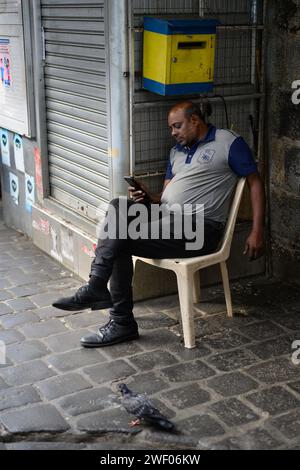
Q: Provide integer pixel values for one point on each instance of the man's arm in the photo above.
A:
(254, 245)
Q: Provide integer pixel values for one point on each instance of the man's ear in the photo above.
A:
(195, 119)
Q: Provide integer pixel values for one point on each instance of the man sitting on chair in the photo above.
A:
(203, 168)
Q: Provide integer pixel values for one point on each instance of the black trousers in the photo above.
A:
(113, 256)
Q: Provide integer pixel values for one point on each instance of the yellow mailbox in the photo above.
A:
(178, 55)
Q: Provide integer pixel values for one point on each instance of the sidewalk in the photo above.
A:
(239, 389)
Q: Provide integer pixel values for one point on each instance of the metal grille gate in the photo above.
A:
(238, 78)
(75, 89)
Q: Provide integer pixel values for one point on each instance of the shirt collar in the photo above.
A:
(209, 137)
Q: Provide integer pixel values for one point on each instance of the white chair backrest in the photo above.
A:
(230, 224)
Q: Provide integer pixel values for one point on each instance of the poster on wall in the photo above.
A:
(5, 63)
(29, 192)
(14, 187)
(5, 147)
(19, 153)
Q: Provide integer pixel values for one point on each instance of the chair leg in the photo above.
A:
(226, 286)
(186, 308)
(196, 287)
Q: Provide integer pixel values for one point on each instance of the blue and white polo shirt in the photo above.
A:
(207, 172)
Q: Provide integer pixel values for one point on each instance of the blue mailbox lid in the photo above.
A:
(182, 26)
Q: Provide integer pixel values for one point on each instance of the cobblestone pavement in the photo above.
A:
(239, 389)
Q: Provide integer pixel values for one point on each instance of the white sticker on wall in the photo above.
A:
(5, 147)
(67, 245)
(14, 187)
(29, 192)
(19, 153)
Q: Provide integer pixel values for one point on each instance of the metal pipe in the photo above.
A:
(156, 103)
(118, 94)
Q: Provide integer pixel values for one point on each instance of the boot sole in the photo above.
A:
(110, 343)
(94, 306)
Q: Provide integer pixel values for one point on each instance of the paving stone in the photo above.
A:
(254, 439)
(2, 384)
(189, 354)
(162, 303)
(155, 338)
(295, 386)
(15, 319)
(288, 424)
(110, 371)
(187, 396)
(67, 361)
(23, 279)
(234, 383)
(273, 400)
(153, 383)
(30, 372)
(277, 370)
(231, 360)
(272, 348)
(43, 329)
(27, 290)
(262, 330)
(155, 320)
(10, 336)
(4, 308)
(66, 341)
(225, 340)
(89, 400)
(114, 420)
(160, 440)
(233, 412)
(45, 313)
(26, 351)
(5, 295)
(47, 298)
(153, 359)
(200, 426)
(25, 445)
(38, 418)
(290, 321)
(14, 397)
(61, 283)
(20, 304)
(4, 283)
(85, 319)
(12, 270)
(63, 385)
(123, 349)
(188, 371)
(208, 326)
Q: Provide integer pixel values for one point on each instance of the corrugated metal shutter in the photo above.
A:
(76, 103)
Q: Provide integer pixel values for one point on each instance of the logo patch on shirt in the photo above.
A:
(206, 156)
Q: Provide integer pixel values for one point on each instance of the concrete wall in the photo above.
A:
(283, 136)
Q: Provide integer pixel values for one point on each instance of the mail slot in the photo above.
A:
(179, 55)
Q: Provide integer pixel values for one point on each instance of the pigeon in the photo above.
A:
(139, 405)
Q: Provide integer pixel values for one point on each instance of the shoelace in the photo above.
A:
(109, 326)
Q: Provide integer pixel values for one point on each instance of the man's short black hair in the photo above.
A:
(194, 109)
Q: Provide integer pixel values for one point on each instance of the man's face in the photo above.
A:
(184, 129)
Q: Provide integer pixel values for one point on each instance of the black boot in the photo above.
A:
(86, 297)
(111, 333)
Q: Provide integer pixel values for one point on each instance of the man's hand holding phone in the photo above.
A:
(137, 190)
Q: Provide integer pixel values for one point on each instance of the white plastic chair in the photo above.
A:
(187, 271)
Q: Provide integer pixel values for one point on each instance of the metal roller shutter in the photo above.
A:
(75, 88)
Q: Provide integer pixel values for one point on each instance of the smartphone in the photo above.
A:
(134, 183)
